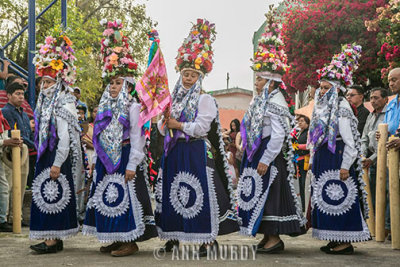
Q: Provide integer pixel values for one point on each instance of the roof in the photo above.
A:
(227, 115)
(231, 91)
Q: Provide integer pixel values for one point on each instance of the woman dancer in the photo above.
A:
(338, 198)
(194, 199)
(119, 208)
(57, 138)
(267, 200)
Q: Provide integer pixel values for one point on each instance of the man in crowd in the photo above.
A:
(3, 72)
(16, 117)
(379, 99)
(4, 192)
(355, 96)
(392, 117)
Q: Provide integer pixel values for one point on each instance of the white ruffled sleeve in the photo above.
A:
(206, 114)
(349, 151)
(136, 155)
(275, 144)
(63, 142)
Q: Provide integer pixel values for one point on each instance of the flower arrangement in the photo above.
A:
(342, 66)
(270, 55)
(196, 51)
(116, 53)
(55, 58)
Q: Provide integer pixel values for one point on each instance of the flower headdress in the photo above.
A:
(270, 59)
(116, 53)
(342, 66)
(196, 52)
(55, 59)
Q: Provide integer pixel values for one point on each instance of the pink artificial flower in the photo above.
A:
(44, 49)
(49, 40)
(108, 32)
(64, 56)
(338, 75)
(125, 60)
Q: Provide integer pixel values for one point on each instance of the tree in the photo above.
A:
(84, 30)
(387, 27)
(314, 31)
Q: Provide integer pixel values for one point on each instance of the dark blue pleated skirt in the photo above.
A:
(336, 213)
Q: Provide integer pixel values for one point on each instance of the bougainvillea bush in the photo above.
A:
(313, 31)
(387, 27)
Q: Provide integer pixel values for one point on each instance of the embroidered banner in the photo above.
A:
(153, 89)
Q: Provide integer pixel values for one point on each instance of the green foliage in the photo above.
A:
(84, 30)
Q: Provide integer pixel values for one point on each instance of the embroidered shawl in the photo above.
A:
(324, 120)
(185, 104)
(111, 127)
(252, 124)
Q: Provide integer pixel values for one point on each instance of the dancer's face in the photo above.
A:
(47, 82)
(259, 84)
(116, 86)
(324, 86)
(189, 77)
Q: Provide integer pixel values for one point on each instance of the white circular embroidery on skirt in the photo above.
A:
(111, 196)
(250, 183)
(341, 195)
(51, 196)
(183, 184)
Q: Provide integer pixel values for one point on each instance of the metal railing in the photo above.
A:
(29, 74)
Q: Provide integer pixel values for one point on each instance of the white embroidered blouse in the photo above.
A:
(207, 112)
(272, 127)
(62, 150)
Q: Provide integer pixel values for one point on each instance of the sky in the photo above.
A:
(235, 20)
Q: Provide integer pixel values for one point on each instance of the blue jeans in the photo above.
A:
(3, 195)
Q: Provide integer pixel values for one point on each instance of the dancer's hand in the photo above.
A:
(54, 172)
(367, 163)
(262, 169)
(174, 124)
(344, 174)
(129, 175)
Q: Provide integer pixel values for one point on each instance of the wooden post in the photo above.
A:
(16, 170)
(394, 192)
(381, 184)
(371, 219)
